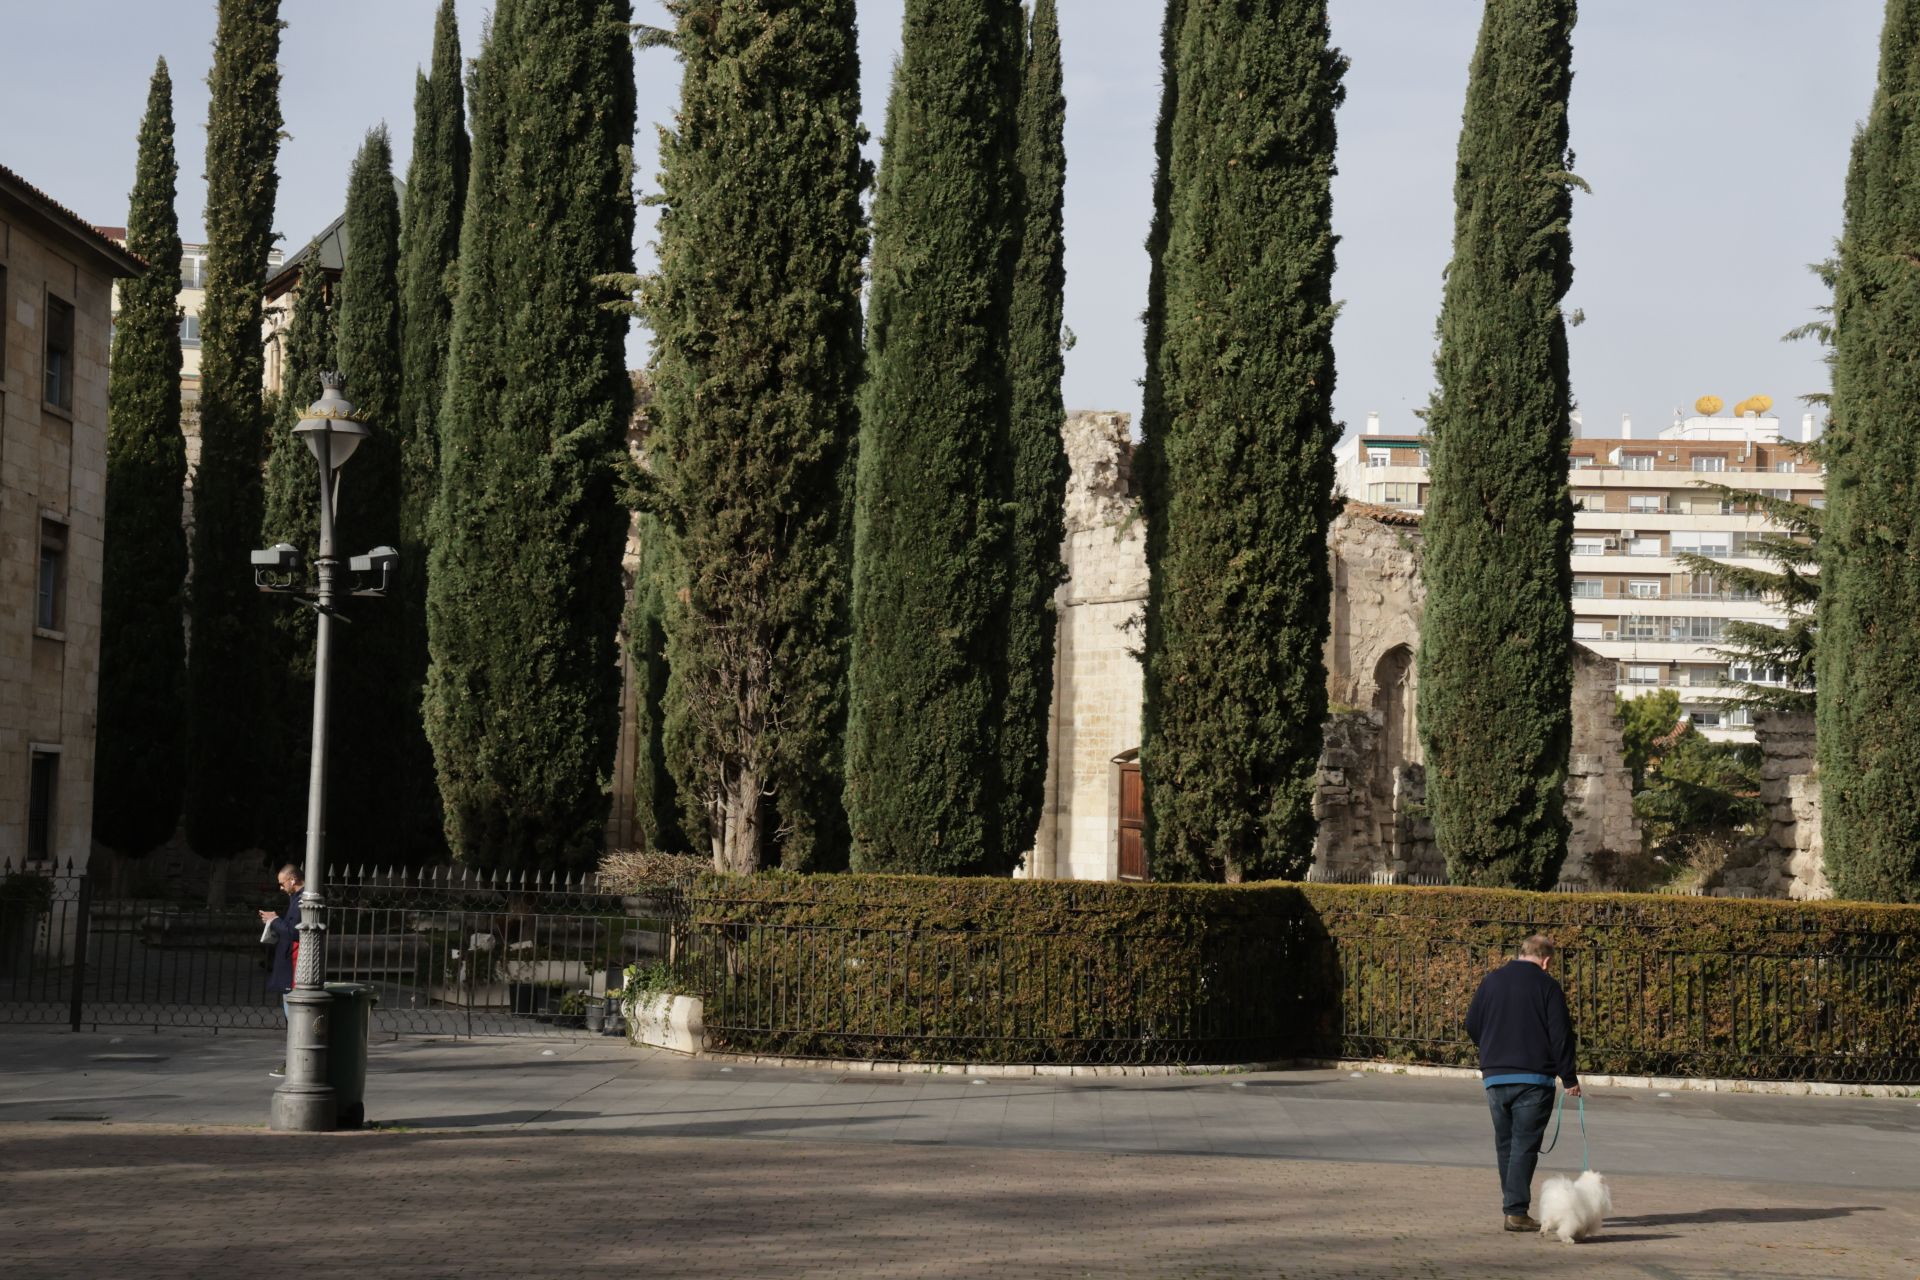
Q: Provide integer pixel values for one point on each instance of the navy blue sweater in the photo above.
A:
(1519, 1019)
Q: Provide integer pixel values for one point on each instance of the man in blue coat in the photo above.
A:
(284, 928)
(1519, 1020)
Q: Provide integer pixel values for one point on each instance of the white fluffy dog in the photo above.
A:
(1573, 1209)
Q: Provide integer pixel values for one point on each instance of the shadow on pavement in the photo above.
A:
(1705, 1216)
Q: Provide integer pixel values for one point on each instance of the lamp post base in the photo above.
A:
(306, 1102)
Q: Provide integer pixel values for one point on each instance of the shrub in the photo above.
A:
(944, 969)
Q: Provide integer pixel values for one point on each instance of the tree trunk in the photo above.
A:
(737, 836)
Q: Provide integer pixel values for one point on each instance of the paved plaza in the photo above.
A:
(529, 1158)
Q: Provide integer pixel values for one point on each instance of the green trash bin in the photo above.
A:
(352, 1020)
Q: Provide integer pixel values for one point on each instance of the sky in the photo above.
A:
(1714, 134)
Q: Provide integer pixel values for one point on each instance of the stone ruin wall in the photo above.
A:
(1785, 859)
(1370, 801)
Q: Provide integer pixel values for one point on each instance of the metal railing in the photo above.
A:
(448, 952)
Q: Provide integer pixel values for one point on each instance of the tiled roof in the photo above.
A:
(53, 211)
(1381, 515)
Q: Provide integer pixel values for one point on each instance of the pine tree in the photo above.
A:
(1036, 363)
(226, 678)
(142, 708)
(1496, 674)
(756, 318)
(1243, 459)
(292, 515)
(370, 810)
(927, 675)
(524, 585)
(430, 247)
(1869, 704)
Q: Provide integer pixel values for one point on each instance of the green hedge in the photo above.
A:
(939, 969)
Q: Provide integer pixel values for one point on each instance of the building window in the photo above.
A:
(193, 271)
(1576, 461)
(59, 362)
(1643, 675)
(1817, 503)
(1646, 503)
(1426, 459)
(50, 605)
(1400, 494)
(1704, 718)
(190, 330)
(1695, 630)
(1379, 457)
(1785, 465)
(1709, 462)
(1589, 588)
(42, 787)
(1589, 546)
(1739, 717)
(1587, 629)
(1643, 547)
(1636, 627)
(1590, 500)
(1644, 590)
(1636, 462)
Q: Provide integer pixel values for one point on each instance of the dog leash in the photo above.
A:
(1559, 1114)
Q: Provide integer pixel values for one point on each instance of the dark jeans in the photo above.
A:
(1520, 1114)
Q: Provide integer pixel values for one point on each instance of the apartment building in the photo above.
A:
(56, 276)
(1640, 501)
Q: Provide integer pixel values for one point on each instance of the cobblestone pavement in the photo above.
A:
(88, 1200)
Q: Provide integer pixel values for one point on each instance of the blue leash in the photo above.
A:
(1559, 1114)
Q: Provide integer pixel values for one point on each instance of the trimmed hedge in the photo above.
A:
(945, 969)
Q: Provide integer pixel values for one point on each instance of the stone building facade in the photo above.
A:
(56, 282)
(1372, 782)
(1785, 858)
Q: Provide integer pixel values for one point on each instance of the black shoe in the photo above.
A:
(1521, 1222)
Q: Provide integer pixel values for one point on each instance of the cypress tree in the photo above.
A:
(225, 676)
(370, 810)
(1496, 672)
(756, 317)
(292, 515)
(927, 678)
(142, 710)
(524, 586)
(430, 247)
(1235, 683)
(1869, 706)
(657, 804)
(1036, 363)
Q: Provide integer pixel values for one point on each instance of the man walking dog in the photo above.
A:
(1519, 1020)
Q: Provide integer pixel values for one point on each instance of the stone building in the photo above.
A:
(1785, 858)
(56, 282)
(1372, 783)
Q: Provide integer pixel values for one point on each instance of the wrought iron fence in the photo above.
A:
(448, 952)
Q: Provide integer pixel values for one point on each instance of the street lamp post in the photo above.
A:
(332, 429)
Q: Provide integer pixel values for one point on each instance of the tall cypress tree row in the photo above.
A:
(1235, 683)
(292, 515)
(524, 589)
(225, 677)
(1036, 363)
(925, 788)
(370, 810)
(430, 247)
(142, 710)
(1496, 673)
(1869, 707)
(756, 318)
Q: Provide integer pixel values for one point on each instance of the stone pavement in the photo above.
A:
(531, 1158)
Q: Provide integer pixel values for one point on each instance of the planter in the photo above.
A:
(669, 1022)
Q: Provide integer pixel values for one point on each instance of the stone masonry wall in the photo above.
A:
(1785, 860)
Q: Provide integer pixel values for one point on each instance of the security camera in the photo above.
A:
(281, 557)
(378, 560)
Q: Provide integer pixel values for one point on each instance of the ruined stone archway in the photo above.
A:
(1395, 690)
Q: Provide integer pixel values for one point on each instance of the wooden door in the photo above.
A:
(1133, 824)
